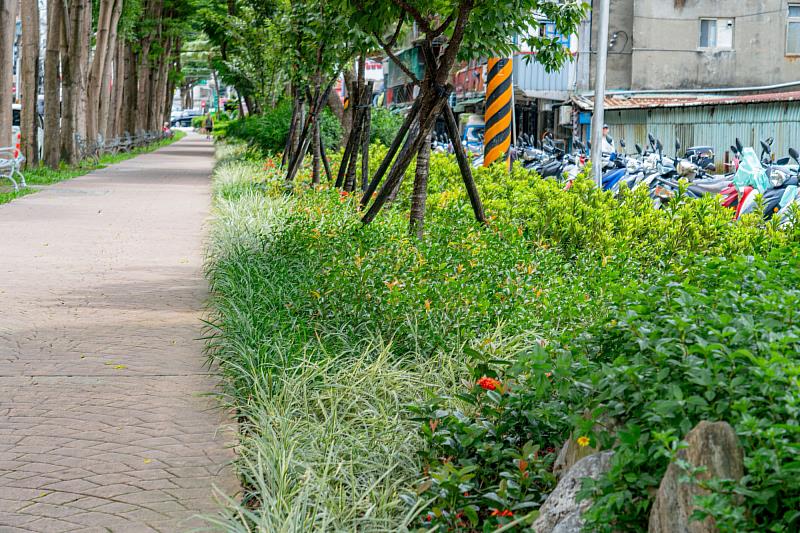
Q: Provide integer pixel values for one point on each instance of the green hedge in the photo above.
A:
(582, 307)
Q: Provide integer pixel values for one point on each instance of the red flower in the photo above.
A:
(505, 513)
(488, 383)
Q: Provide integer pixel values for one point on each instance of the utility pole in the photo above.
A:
(600, 93)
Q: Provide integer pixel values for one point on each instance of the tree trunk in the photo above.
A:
(30, 81)
(98, 66)
(67, 96)
(419, 195)
(80, 49)
(160, 87)
(347, 114)
(52, 97)
(115, 114)
(130, 96)
(109, 80)
(315, 177)
(7, 32)
(365, 140)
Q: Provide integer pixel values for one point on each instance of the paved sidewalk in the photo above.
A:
(103, 426)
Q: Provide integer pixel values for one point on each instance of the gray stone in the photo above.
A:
(712, 445)
(561, 513)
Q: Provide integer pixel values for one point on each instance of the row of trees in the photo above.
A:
(303, 47)
(110, 66)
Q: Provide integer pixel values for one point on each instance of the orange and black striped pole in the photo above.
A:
(497, 137)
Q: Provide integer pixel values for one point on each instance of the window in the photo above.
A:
(793, 30)
(717, 33)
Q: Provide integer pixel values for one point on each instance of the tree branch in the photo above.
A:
(443, 26)
(449, 55)
(393, 57)
(396, 33)
(424, 24)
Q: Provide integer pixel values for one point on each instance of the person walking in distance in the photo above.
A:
(209, 125)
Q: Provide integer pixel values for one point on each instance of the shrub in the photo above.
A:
(384, 125)
(615, 291)
(268, 131)
(716, 341)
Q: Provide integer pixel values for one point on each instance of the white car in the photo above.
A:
(16, 110)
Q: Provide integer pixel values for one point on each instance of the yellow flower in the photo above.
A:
(583, 441)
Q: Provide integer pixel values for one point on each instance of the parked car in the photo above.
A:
(184, 119)
(16, 111)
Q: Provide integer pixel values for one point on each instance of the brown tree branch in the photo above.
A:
(424, 24)
(393, 57)
(450, 53)
(443, 26)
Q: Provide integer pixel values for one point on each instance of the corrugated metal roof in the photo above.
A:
(613, 102)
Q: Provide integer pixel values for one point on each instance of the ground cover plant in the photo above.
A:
(383, 383)
(42, 176)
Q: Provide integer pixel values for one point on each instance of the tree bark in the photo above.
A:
(67, 96)
(52, 97)
(8, 10)
(419, 194)
(80, 48)
(98, 66)
(365, 140)
(29, 124)
(130, 97)
(109, 79)
(315, 177)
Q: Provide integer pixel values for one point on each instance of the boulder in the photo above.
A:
(713, 445)
(561, 513)
(571, 452)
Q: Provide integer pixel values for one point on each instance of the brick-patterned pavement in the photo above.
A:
(104, 425)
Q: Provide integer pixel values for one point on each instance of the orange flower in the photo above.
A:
(504, 513)
(488, 383)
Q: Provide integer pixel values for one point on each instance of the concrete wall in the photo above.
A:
(666, 40)
(618, 73)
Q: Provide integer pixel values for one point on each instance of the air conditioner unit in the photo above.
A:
(564, 115)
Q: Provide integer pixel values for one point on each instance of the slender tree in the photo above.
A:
(30, 80)
(52, 100)
(8, 10)
(449, 30)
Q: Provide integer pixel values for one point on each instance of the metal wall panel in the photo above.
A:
(716, 126)
(532, 76)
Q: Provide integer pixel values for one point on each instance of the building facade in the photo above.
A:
(699, 44)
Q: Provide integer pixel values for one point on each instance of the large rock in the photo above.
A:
(561, 513)
(569, 454)
(710, 444)
(572, 452)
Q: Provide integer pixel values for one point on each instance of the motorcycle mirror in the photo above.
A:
(622, 142)
(795, 155)
(677, 145)
(765, 147)
(638, 149)
(770, 140)
(739, 145)
(734, 149)
(659, 146)
(651, 139)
